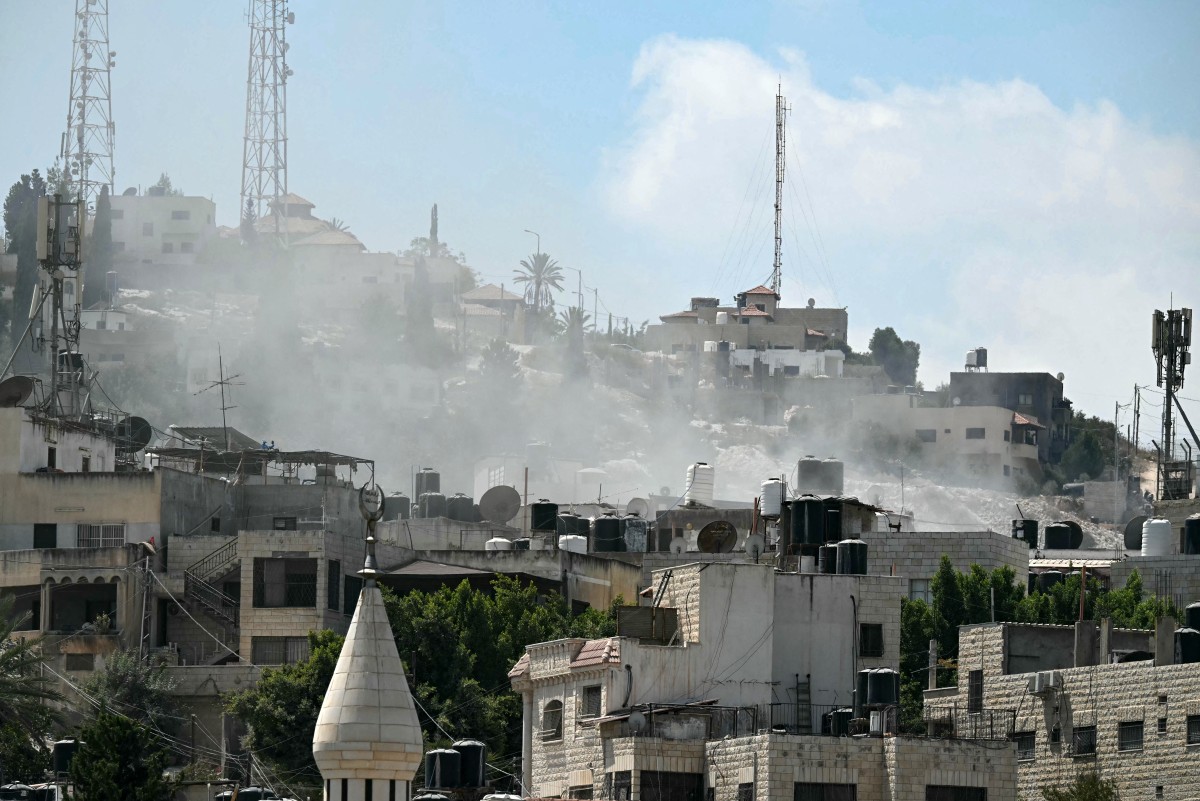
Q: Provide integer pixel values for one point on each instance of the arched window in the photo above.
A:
(552, 720)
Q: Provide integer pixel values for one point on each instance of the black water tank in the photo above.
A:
(1191, 616)
(606, 534)
(1026, 530)
(520, 544)
(1187, 646)
(64, 751)
(1058, 536)
(543, 516)
(862, 686)
(567, 523)
(883, 687)
(808, 522)
(833, 520)
(428, 480)
(433, 504)
(460, 507)
(635, 533)
(1191, 535)
(471, 765)
(827, 559)
(397, 507)
(442, 769)
(785, 527)
(837, 722)
(1048, 578)
(852, 558)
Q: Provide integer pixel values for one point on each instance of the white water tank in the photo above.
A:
(710, 346)
(770, 499)
(700, 480)
(498, 544)
(807, 564)
(573, 543)
(1156, 537)
(722, 318)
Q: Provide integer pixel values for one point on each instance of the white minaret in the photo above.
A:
(368, 743)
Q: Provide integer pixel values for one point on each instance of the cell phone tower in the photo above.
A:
(264, 149)
(87, 144)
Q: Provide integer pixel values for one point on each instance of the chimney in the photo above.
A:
(1085, 643)
(1164, 641)
(1105, 641)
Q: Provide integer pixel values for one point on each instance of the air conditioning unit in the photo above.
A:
(1045, 682)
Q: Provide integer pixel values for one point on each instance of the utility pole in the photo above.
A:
(87, 144)
(596, 311)
(1171, 338)
(264, 144)
(781, 111)
(1116, 443)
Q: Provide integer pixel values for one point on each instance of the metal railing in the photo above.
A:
(810, 718)
(956, 722)
(213, 601)
(216, 562)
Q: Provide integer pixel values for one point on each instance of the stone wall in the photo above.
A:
(1176, 577)
(916, 555)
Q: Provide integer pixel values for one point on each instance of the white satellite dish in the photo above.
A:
(639, 507)
(755, 546)
(678, 545)
(637, 721)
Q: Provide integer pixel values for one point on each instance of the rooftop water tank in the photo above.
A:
(700, 481)
(1191, 535)
(460, 507)
(1048, 578)
(883, 687)
(1058, 536)
(568, 523)
(428, 480)
(852, 558)
(1191, 616)
(808, 522)
(543, 516)
(433, 504)
(606, 534)
(827, 559)
(1187, 646)
(398, 506)
(572, 543)
(770, 499)
(710, 346)
(442, 769)
(833, 520)
(1026, 530)
(498, 544)
(64, 752)
(472, 763)
(1156, 537)
(722, 318)
(810, 475)
(635, 532)
(834, 473)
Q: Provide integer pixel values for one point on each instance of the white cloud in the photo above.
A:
(963, 214)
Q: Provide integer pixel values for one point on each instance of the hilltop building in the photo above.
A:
(158, 230)
(756, 321)
(1035, 396)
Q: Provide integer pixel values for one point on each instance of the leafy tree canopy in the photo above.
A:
(23, 688)
(899, 359)
(119, 760)
(136, 689)
(1088, 786)
(164, 183)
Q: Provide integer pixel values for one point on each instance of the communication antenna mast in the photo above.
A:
(222, 383)
(87, 144)
(1171, 339)
(264, 147)
(781, 111)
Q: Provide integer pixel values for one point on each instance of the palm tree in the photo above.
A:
(542, 277)
(23, 688)
(574, 320)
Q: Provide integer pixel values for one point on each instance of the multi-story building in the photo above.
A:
(1032, 395)
(160, 229)
(756, 321)
(738, 683)
(1087, 698)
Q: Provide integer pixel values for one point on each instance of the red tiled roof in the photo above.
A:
(759, 290)
(752, 311)
(521, 668)
(598, 652)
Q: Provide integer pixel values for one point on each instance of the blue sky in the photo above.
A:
(1005, 174)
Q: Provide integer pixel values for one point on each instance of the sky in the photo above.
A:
(1022, 176)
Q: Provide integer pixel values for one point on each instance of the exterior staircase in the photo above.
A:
(200, 589)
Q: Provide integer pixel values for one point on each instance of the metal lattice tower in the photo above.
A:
(781, 111)
(87, 144)
(264, 150)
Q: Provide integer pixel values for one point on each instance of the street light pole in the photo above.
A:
(539, 240)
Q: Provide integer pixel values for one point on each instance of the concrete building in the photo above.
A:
(985, 444)
(1087, 697)
(1032, 395)
(757, 321)
(159, 229)
(720, 690)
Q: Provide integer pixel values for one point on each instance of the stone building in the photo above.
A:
(731, 688)
(1087, 698)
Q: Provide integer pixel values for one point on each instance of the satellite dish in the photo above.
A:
(500, 504)
(133, 434)
(957, 401)
(15, 391)
(717, 537)
(1076, 532)
(678, 545)
(637, 721)
(755, 546)
(1060, 377)
(638, 506)
(130, 192)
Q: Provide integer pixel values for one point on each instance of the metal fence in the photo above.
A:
(957, 722)
(808, 718)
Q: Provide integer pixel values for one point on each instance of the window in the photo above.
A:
(552, 727)
(334, 590)
(214, 525)
(45, 535)
(148, 229)
(278, 650)
(591, 702)
(812, 791)
(1007, 470)
(927, 434)
(1193, 729)
(1024, 399)
(975, 691)
(85, 464)
(582, 791)
(1083, 740)
(975, 433)
(285, 583)
(186, 247)
(1162, 725)
(919, 590)
(284, 524)
(117, 214)
(745, 791)
(351, 587)
(947, 792)
(51, 458)
(661, 785)
(617, 785)
(168, 247)
(1130, 735)
(81, 662)
(1007, 435)
(181, 215)
(870, 639)
(96, 535)
(1026, 744)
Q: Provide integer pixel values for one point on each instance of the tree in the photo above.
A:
(1084, 458)
(164, 183)
(949, 607)
(899, 359)
(23, 758)
(916, 630)
(97, 254)
(340, 225)
(23, 688)
(500, 370)
(136, 689)
(574, 321)
(1088, 786)
(281, 710)
(542, 277)
(249, 223)
(119, 760)
(20, 226)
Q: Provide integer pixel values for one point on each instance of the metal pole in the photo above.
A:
(539, 240)
(1116, 443)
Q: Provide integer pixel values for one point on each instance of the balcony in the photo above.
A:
(957, 723)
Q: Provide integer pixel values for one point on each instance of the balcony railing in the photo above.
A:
(957, 722)
(820, 719)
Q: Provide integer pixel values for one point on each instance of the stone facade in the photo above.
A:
(916, 555)
(1176, 576)
(1160, 697)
